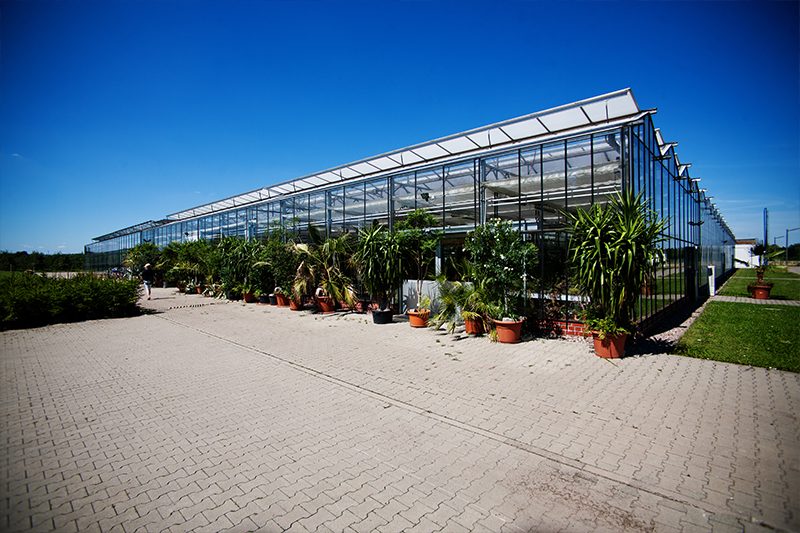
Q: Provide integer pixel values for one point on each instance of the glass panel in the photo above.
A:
(404, 198)
(428, 194)
(376, 205)
(579, 173)
(353, 208)
(502, 186)
(275, 219)
(252, 222)
(318, 213)
(606, 165)
(262, 216)
(460, 197)
(336, 211)
(531, 187)
(553, 180)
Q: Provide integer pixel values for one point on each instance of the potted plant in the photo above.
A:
(418, 241)
(320, 271)
(462, 300)
(418, 318)
(760, 289)
(613, 249)
(378, 259)
(500, 260)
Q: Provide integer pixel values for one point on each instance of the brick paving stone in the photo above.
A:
(253, 417)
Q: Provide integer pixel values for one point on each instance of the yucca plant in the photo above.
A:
(379, 260)
(613, 250)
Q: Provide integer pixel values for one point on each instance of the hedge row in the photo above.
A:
(28, 300)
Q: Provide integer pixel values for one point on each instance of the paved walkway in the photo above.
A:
(253, 418)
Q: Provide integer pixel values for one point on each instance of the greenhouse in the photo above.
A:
(529, 170)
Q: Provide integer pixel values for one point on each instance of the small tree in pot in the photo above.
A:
(378, 258)
(500, 259)
(419, 241)
(613, 250)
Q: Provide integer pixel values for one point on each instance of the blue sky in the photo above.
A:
(113, 113)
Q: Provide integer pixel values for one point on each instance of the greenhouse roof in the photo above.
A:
(132, 229)
(593, 112)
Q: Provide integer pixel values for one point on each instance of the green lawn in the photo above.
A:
(766, 336)
(787, 284)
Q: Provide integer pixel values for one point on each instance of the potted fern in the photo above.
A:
(613, 249)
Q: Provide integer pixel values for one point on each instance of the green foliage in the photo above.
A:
(613, 250)
(379, 260)
(28, 300)
(237, 258)
(765, 336)
(418, 241)
(500, 259)
(321, 266)
(141, 254)
(39, 262)
(785, 285)
(598, 320)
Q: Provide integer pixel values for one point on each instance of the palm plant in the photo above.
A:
(463, 300)
(321, 266)
(613, 250)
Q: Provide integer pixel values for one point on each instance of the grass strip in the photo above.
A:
(786, 284)
(748, 334)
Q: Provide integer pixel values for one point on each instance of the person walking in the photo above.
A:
(147, 277)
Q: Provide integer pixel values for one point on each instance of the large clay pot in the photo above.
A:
(761, 292)
(295, 305)
(610, 347)
(282, 299)
(249, 297)
(508, 332)
(419, 319)
(326, 304)
(473, 327)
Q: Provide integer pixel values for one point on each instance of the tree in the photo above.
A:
(419, 242)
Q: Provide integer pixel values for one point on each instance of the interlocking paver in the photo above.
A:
(277, 420)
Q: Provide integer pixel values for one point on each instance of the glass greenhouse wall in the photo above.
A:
(528, 170)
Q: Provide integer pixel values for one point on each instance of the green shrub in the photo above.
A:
(29, 300)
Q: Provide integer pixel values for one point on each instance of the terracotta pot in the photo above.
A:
(508, 332)
(610, 347)
(282, 300)
(419, 319)
(473, 327)
(295, 305)
(761, 292)
(326, 304)
(249, 297)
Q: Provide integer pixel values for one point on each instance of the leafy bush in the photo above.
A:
(28, 300)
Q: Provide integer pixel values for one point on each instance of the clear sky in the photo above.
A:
(114, 113)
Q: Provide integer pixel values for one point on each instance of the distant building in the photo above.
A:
(743, 255)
